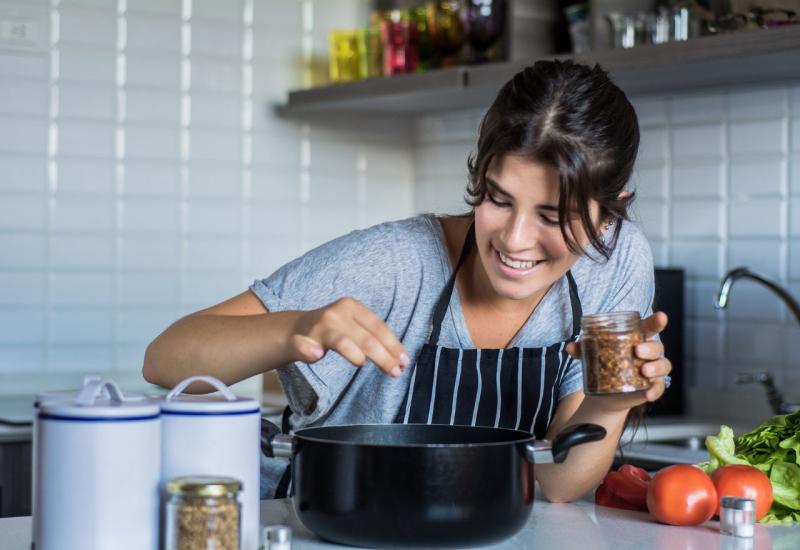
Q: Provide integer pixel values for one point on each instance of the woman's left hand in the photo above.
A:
(655, 366)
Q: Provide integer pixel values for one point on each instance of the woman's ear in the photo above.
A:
(623, 195)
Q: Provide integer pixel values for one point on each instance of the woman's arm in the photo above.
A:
(239, 338)
(586, 464)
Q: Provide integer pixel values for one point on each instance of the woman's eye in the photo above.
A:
(549, 221)
(498, 203)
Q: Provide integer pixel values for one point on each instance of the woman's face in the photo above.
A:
(519, 241)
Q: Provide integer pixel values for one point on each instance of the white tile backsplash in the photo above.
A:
(143, 178)
(26, 173)
(81, 251)
(763, 136)
(152, 142)
(697, 180)
(697, 218)
(149, 253)
(23, 288)
(24, 98)
(23, 250)
(86, 102)
(23, 212)
(153, 70)
(22, 326)
(765, 103)
(756, 218)
(86, 139)
(696, 108)
(23, 135)
(80, 64)
(763, 176)
(150, 215)
(81, 326)
(216, 145)
(148, 288)
(159, 106)
(24, 65)
(95, 214)
(700, 259)
(79, 176)
(760, 255)
(87, 26)
(214, 217)
(79, 359)
(697, 141)
(152, 33)
(82, 288)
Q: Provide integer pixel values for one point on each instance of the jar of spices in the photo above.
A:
(202, 513)
(608, 342)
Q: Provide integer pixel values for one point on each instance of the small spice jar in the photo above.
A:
(737, 516)
(608, 342)
(202, 513)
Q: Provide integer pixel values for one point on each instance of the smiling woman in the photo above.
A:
(461, 320)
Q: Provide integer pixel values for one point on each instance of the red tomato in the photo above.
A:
(740, 480)
(682, 495)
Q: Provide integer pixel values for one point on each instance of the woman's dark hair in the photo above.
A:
(574, 118)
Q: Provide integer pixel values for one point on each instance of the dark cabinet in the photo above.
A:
(15, 479)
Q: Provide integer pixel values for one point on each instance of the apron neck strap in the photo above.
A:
(444, 298)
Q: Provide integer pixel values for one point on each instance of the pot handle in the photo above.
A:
(278, 445)
(545, 452)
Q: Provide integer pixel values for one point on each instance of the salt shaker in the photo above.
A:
(277, 537)
(737, 516)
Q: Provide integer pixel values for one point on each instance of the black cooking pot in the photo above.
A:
(411, 485)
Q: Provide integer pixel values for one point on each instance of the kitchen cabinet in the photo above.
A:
(15, 478)
(748, 57)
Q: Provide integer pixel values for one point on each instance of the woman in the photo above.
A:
(467, 319)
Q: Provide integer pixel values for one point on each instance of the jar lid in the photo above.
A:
(221, 402)
(90, 405)
(203, 486)
(61, 395)
(738, 503)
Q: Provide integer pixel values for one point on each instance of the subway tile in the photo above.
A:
(275, 184)
(389, 160)
(794, 217)
(82, 251)
(161, 7)
(158, 106)
(150, 215)
(650, 111)
(275, 218)
(214, 217)
(216, 145)
(396, 196)
(658, 248)
(694, 108)
(23, 250)
(705, 343)
(700, 298)
(700, 259)
(152, 142)
(652, 145)
(650, 183)
(90, 27)
(273, 78)
(756, 218)
(696, 218)
(697, 141)
(142, 325)
(82, 288)
(268, 254)
(652, 216)
(794, 98)
(21, 326)
(757, 177)
(81, 326)
(276, 151)
(214, 11)
(217, 110)
(148, 288)
(331, 221)
(108, 5)
(216, 75)
(794, 174)
(757, 137)
(85, 65)
(697, 180)
(753, 342)
(794, 258)
(150, 33)
(30, 98)
(428, 160)
(201, 289)
(459, 126)
(795, 131)
(21, 359)
(130, 356)
(23, 135)
(23, 212)
(79, 358)
(760, 255)
(158, 70)
(764, 103)
(277, 14)
(750, 301)
(24, 66)
(86, 139)
(86, 176)
(149, 253)
(215, 181)
(84, 214)
(86, 101)
(328, 187)
(213, 253)
(22, 288)
(26, 173)
(151, 178)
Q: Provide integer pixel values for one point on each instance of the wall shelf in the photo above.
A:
(726, 60)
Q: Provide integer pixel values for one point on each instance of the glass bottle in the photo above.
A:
(608, 342)
(202, 513)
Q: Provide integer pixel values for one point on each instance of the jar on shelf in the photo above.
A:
(608, 342)
(202, 513)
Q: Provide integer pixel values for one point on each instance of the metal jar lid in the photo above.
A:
(203, 486)
(738, 503)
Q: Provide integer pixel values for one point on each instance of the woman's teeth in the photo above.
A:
(515, 263)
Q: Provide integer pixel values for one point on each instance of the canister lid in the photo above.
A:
(738, 503)
(203, 486)
(61, 395)
(221, 402)
(89, 404)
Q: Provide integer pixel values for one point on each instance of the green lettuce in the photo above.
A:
(773, 448)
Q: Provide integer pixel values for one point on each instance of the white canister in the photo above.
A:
(97, 468)
(214, 434)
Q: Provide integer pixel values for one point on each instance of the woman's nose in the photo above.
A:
(519, 233)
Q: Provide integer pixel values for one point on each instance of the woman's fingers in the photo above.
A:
(574, 349)
(384, 335)
(650, 351)
(654, 324)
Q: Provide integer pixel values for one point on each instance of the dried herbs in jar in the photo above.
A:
(608, 342)
(203, 513)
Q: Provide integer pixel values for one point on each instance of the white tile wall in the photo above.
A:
(144, 177)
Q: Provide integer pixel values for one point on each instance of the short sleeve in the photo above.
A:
(357, 265)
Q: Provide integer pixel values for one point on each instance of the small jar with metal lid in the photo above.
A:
(202, 513)
(608, 342)
(737, 516)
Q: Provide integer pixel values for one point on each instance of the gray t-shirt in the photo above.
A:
(398, 269)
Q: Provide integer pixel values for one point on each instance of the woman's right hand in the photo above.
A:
(352, 330)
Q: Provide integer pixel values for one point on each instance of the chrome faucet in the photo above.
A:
(779, 406)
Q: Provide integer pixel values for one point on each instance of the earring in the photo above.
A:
(609, 224)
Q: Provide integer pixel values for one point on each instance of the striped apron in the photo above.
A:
(503, 388)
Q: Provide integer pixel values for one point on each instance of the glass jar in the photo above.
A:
(202, 513)
(610, 364)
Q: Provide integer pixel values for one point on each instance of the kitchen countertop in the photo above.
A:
(576, 525)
